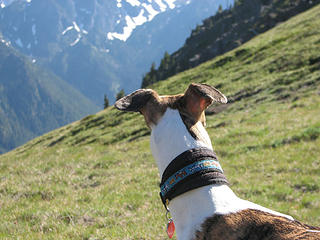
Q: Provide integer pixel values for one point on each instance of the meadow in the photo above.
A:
(96, 178)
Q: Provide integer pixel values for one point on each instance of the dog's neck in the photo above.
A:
(170, 137)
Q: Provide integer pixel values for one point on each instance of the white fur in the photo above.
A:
(191, 209)
(169, 138)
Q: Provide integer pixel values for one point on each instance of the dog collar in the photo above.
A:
(192, 169)
(203, 165)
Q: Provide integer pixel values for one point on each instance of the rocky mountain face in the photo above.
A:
(225, 31)
(56, 35)
(100, 46)
(60, 57)
(32, 100)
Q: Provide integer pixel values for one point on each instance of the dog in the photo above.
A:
(193, 186)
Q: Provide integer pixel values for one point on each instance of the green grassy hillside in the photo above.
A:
(225, 31)
(96, 178)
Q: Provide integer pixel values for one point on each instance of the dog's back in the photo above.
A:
(255, 225)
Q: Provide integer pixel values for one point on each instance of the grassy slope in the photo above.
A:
(96, 179)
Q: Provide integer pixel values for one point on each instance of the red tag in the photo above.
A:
(170, 228)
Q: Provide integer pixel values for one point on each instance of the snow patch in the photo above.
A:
(80, 32)
(131, 24)
(140, 19)
(119, 4)
(162, 6)
(76, 41)
(34, 29)
(127, 30)
(146, 14)
(170, 3)
(76, 27)
(134, 3)
(105, 50)
(5, 3)
(151, 11)
(7, 43)
(67, 30)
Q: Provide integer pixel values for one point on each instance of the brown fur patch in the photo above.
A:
(157, 105)
(253, 224)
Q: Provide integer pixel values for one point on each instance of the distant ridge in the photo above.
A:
(33, 101)
(225, 31)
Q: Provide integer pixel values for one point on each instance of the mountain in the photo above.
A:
(225, 31)
(95, 47)
(100, 47)
(96, 178)
(33, 101)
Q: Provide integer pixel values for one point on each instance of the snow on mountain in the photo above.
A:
(80, 32)
(70, 22)
(147, 11)
(5, 42)
(100, 46)
(5, 3)
(129, 15)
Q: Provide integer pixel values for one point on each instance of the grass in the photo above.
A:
(96, 178)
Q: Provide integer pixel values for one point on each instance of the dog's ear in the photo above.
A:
(199, 96)
(135, 101)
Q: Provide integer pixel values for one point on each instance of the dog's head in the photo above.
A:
(191, 104)
(177, 122)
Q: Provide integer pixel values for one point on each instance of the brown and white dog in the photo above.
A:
(212, 211)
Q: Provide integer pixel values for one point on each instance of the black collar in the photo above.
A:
(192, 169)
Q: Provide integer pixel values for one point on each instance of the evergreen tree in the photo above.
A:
(120, 94)
(163, 71)
(238, 2)
(145, 80)
(150, 77)
(153, 73)
(105, 101)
